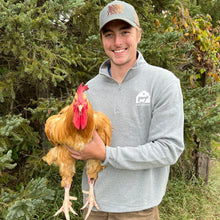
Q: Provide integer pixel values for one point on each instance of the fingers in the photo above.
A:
(96, 135)
(77, 156)
(95, 149)
(73, 153)
(70, 149)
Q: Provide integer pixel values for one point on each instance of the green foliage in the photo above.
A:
(17, 134)
(6, 160)
(25, 203)
(47, 107)
(203, 113)
(17, 140)
(189, 47)
(160, 5)
(43, 44)
(210, 7)
(165, 48)
(49, 47)
(202, 118)
(202, 71)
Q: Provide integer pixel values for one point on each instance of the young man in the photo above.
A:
(145, 106)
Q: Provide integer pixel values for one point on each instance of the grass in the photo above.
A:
(193, 200)
(183, 201)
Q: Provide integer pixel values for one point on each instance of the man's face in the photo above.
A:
(120, 41)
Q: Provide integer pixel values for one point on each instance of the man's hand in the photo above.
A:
(95, 149)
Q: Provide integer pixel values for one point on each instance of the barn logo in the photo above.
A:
(143, 98)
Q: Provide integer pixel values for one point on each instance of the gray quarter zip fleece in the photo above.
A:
(146, 112)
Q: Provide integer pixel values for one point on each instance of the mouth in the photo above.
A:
(119, 51)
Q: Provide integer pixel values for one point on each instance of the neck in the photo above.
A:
(118, 75)
(119, 72)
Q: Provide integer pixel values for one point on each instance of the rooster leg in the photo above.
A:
(91, 198)
(66, 207)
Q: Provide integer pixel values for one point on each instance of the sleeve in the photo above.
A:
(166, 142)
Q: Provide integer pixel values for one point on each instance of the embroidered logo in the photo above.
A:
(143, 97)
(115, 9)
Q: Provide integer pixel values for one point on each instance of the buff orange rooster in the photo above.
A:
(74, 126)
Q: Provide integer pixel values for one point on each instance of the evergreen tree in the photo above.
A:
(49, 47)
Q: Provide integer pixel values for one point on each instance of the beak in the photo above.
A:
(80, 108)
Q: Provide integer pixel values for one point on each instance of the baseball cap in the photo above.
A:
(118, 10)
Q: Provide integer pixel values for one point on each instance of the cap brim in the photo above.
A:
(117, 18)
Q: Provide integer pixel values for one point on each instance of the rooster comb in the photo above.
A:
(80, 91)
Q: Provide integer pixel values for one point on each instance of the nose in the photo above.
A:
(117, 40)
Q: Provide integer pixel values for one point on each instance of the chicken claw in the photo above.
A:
(90, 201)
(66, 207)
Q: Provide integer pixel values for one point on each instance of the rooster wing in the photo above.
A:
(104, 129)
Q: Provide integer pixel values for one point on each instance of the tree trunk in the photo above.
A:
(42, 92)
(202, 162)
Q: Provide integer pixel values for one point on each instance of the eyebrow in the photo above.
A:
(122, 28)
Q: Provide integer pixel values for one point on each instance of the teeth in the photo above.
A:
(118, 51)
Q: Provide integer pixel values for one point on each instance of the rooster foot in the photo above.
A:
(66, 207)
(90, 201)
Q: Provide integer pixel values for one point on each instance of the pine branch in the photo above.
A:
(6, 160)
(28, 201)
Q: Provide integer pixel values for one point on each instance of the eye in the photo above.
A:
(125, 32)
(108, 35)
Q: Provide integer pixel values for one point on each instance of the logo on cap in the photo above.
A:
(115, 9)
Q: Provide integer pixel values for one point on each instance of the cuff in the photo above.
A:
(108, 156)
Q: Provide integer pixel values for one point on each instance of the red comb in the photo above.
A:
(82, 88)
(80, 91)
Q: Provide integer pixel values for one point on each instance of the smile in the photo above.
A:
(119, 51)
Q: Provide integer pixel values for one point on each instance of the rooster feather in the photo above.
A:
(74, 127)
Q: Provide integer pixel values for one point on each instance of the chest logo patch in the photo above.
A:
(143, 97)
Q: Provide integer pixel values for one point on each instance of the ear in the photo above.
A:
(101, 35)
(139, 32)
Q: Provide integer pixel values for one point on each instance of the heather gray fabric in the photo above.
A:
(146, 111)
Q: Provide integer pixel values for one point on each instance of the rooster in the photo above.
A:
(74, 127)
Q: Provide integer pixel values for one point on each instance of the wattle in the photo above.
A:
(80, 120)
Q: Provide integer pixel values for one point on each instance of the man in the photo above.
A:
(145, 106)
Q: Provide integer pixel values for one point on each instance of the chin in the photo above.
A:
(120, 62)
